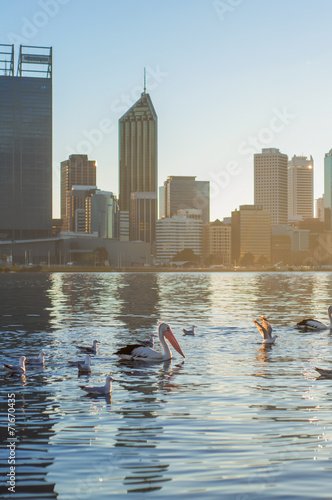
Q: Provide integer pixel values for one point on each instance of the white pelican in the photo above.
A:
(324, 373)
(142, 353)
(20, 368)
(189, 332)
(89, 350)
(266, 330)
(86, 366)
(148, 343)
(100, 390)
(36, 361)
(313, 324)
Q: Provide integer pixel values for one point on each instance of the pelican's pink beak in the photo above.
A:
(170, 336)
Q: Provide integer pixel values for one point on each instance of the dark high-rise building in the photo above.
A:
(26, 143)
(76, 171)
(182, 192)
(138, 162)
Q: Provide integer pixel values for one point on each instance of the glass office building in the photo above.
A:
(25, 143)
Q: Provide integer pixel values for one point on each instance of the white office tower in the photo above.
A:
(270, 183)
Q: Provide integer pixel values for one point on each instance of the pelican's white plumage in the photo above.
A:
(190, 331)
(143, 353)
(20, 368)
(39, 360)
(313, 324)
(266, 331)
(89, 350)
(99, 390)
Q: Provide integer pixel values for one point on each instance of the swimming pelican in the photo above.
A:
(89, 350)
(324, 373)
(313, 324)
(86, 366)
(20, 368)
(266, 330)
(100, 390)
(148, 343)
(189, 332)
(142, 353)
(36, 361)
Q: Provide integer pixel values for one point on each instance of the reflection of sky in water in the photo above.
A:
(234, 419)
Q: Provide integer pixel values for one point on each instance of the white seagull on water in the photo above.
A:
(39, 360)
(100, 390)
(189, 332)
(313, 324)
(85, 367)
(143, 353)
(89, 350)
(20, 368)
(266, 330)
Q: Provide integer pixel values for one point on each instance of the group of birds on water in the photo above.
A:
(144, 350)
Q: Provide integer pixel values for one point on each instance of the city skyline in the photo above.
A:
(225, 83)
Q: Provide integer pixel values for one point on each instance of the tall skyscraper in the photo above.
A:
(186, 193)
(76, 171)
(26, 143)
(300, 187)
(138, 170)
(270, 183)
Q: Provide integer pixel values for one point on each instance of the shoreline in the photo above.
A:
(103, 269)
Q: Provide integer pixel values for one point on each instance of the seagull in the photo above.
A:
(324, 373)
(100, 390)
(36, 361)
(85, 367)
(20, 368)
(189, 332)
(266, 330)
(89, 350)
(313, 324)
(148, 343)
(143, 353)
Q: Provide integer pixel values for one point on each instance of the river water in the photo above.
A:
(234, 420)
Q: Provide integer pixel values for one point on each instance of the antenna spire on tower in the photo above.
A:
(144, 91)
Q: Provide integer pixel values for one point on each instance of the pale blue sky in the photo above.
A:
(252, 71)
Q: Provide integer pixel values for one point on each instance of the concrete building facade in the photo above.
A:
(217, 243)
(251, 234)
(177, 233)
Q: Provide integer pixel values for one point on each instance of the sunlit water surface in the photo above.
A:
(233, 420)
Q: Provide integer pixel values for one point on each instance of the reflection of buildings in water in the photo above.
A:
(138, 301)
(91, 293)
(282, 297)
(33, 428)
(24, 305)
(186, 294)
(140, 428)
